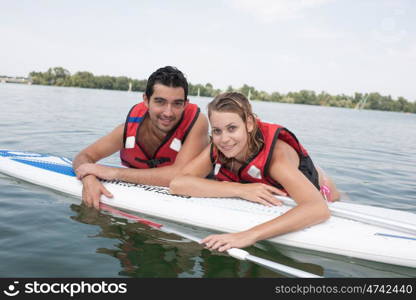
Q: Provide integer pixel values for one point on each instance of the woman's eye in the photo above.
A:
(216, 131)
(232, 128)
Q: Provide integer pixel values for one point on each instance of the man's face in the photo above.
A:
(165, 106)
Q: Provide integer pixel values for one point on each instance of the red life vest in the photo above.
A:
(132, 155)
(256, 169)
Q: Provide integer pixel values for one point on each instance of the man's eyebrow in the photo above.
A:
(176, 100)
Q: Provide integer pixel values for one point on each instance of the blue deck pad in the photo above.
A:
(67, 160)
(61, 169)
(6, 153)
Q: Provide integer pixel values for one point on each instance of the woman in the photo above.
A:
(255, 160)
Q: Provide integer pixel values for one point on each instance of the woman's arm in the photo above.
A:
(311, 208)
(192, 182)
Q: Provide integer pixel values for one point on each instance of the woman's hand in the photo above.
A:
(260, 193)
(100, 171)
(223, 242)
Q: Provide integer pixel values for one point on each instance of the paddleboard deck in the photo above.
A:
(337, 235)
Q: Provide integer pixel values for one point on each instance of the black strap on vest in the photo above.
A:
(153, 163)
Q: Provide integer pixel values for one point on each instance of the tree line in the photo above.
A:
(59, 76)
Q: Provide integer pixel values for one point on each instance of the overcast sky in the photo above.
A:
(338, 46)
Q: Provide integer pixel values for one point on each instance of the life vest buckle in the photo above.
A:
(153, 163)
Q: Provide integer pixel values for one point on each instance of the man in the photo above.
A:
(160, 135)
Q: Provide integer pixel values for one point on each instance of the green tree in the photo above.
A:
(122, 83)
(139, 85)
(276, 97)
(104, 82)
(83, 79)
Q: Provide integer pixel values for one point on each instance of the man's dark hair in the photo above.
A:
(169, 76)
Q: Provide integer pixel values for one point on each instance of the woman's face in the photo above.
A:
(230, 133)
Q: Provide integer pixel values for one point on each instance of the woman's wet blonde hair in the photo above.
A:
(237, 103)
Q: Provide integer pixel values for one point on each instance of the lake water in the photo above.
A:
(371, 155)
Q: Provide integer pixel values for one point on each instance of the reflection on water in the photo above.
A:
(147, 252)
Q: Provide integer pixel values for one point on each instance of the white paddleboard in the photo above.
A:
(337, 235)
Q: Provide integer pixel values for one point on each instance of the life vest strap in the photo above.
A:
(153, 163)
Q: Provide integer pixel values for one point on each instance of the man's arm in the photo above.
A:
(196, 141)
(105, 146)
(102, 148)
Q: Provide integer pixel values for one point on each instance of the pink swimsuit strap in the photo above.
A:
(326, 192)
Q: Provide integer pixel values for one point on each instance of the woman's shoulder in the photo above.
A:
(283, 153)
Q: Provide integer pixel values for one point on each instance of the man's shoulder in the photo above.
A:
(202, 120)
(192, 107)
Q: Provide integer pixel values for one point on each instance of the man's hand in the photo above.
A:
(92, 191)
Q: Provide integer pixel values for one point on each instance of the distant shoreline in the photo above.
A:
(9, 79)
(59, 76)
